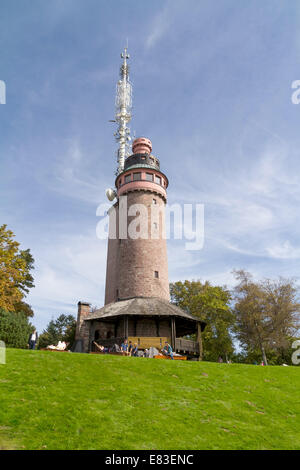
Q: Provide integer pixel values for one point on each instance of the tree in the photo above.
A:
(283, 308)
(23, 307)
(29, 261)
(14, 329)
(61, 329)
(267, 314)
(15, 267)
(211, 305)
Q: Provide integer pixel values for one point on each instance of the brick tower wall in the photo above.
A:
(140, 259)
(132, 264)
(112, 262)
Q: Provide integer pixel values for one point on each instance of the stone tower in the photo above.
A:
(137, 263)
(137, 302)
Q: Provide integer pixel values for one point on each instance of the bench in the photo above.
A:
(146, 342)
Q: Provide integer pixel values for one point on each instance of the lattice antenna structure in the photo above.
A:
(123, 112)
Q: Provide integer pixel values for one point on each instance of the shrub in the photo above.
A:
(14, 329)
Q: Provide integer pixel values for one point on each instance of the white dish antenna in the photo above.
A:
(110, 194)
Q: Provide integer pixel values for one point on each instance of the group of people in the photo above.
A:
(61, 346)
(33, 339)
(130, 349)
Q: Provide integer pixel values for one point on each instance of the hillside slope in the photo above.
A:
(52, 400)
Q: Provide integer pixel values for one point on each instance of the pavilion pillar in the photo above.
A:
(173, 333)
(199, 341)
(126, 326)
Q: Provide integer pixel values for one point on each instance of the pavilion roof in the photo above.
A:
(145, 306)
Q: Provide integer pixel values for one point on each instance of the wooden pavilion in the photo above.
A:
(145, 321)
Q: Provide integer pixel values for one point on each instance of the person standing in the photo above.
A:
(32, 340)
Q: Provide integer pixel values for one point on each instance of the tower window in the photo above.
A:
(156, 275)
(154, 201)
(149, 177)
(155, 225)
(137, 176)
(127, 178)
(157, 179)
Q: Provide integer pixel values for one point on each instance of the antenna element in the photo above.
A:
(123, 111)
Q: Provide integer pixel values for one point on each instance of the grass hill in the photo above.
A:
(51, 400)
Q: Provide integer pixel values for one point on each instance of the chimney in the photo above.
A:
(84, 308)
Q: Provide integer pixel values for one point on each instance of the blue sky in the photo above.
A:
(212, 90)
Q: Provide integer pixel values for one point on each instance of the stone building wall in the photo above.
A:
(104, 330)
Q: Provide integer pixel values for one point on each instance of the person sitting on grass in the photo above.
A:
(135, 350)
(99, 347)
(61, 346)
(124, 347)
(130, 348)
(167, 350)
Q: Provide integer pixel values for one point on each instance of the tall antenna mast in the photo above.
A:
(123, 111)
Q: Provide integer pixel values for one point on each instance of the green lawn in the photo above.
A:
(52, 400)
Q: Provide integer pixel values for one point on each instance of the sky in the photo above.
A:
(211, 89)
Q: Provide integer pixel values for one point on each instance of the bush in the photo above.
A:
(14, 329)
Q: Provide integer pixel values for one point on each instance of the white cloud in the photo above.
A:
(69, 270)
(73, 174)
(249, 205)
(159, 27)
(284, 250)
(162, 22)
